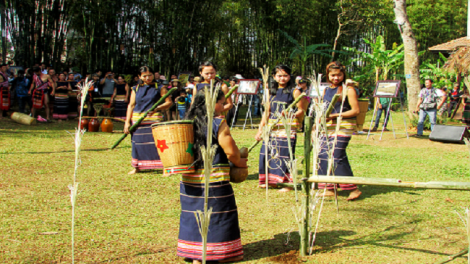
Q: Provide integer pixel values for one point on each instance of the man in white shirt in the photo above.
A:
(428, 104)
(43, 68)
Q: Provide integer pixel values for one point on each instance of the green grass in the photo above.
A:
(135, 219)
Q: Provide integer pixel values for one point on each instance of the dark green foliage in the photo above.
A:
(238, 35)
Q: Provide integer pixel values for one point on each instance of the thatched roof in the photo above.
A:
(459, 61)
(451, 45)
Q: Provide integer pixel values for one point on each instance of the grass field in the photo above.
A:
(135, 219)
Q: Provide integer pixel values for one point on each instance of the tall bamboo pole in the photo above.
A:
(306, 188)
(208, 154)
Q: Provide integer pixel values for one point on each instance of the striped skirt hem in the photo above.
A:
(215, 251)
(274, 179)
(147, 164)
(223, 238)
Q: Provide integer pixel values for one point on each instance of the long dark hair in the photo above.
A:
(275, 86)
(198, 114)
(145, 69)
(207, 64)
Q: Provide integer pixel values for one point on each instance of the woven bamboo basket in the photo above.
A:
(174, 141)
(361, 118)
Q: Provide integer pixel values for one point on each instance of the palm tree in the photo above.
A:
(381, 61)
(301, 53)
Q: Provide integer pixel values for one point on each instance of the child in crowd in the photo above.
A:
(189, 92)
(182, 104)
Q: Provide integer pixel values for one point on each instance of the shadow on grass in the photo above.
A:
(333, 240)
(10, 127)
(252, 177)
(284, 248)
(62, 151)
(368, 191)
(273, 248)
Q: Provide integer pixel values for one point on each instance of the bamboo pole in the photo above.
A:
(265, 135)
(437, 185)
(306, 188)
(208, 153)
(231, 91)
(93, 117)
(137, 123)
(452, 257)
(277, 120)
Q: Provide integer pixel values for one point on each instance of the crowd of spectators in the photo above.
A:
(50, 95)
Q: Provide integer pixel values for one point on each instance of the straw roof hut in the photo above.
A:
(459, 50)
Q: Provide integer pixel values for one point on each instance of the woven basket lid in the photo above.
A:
(177, 122)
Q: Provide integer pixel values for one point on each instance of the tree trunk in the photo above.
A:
(411, 53)
(4, 39)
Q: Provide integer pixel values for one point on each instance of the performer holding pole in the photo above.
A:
(281, 95)
(143, 97)
(336, 75)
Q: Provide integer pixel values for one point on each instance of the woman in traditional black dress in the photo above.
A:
(223, 240)
(61, 100)
(143, 97)
(120, 98)
(336, 76)
(281, 95)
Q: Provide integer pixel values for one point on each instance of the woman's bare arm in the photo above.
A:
(229, 146)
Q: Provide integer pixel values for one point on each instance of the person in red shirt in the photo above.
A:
(454, 99)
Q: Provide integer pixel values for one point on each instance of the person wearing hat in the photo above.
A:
(196, 81)
(189, 92)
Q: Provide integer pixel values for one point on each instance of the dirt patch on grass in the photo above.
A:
(291, 257)
(23, 190)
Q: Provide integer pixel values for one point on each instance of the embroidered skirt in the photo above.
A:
(120, 107)
(144, 152)
(278, 154)
(73, 105)
(223, 240)
(5, 98)
(61, 106)
(341, 163)
(38, 98)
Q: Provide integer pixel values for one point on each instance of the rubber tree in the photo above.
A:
(411, 53)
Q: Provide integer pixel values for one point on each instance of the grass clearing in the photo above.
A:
(135, 219)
